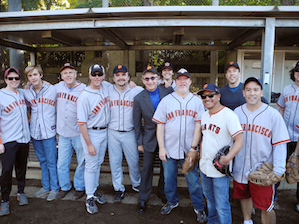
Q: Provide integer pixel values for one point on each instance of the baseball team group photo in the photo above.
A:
(228, 143)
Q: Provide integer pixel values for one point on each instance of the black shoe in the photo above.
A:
(118, 197)
(62, 194)
(78, 195)
(141, 207)
(163, 198)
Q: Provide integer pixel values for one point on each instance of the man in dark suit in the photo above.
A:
(145, 104)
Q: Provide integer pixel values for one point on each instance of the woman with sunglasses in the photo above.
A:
(15, 137)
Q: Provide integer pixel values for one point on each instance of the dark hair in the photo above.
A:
(292, 73)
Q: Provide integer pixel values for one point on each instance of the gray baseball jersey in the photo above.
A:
(265, 135)
(121, 108)
(13, 117)
(43, 111)
(289, 101)
(179, 116)
(67, 109)
(93, 107)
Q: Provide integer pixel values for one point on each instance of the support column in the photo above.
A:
(267, 56)
(214, 67)
(33, 58)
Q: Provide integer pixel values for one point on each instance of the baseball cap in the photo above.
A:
(96, 68)
(253, 79)
(167, 65)
(120, 68)
(232, 64)
(297, 66)
(150, 69)
(7, 71)
(209, 87)
(184, 72)
(67, 65)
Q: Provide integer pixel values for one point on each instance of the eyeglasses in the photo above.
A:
(96, 74)
(13, 78)
(209, 95)
(151, 78)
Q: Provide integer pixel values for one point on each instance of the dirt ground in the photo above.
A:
(70, 211)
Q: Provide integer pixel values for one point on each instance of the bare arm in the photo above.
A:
(160, 138)
(296, 152)
(196, 134)
(91, 149)
(238, 144)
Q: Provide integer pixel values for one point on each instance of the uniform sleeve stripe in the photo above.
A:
(284, 141)
(159, 122)
(0, 141)
(297, 126)
(79, 122)
(238, 132)
(197, 120)
(280, 106)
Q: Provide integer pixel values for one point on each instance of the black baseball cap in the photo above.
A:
(184, 72)
(96, 68)
(167, 65)
(253, 79)
(120, 68)
(209, 87)
(67, 65)
(232, 64)
(297, 66)
(150, 69)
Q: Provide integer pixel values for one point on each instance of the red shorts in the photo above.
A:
(262, 197)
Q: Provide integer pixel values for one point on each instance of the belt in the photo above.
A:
(127, 131)
(98, 128)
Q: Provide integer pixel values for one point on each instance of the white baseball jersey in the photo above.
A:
(93, 107)
(67, 109)
(264, 135)
(13, 117)
(218, 130)
(43, 111)
(121, 108)
(289, 101)
(179, 116)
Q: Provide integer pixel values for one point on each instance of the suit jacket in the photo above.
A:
(143, 108)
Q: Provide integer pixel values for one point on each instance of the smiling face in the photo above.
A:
(253, 93)
(150, 80)
(212, 99)
(121, 79)
(96, 81)
(232, 75)
(12, 84)
(34, 77)
(167, 73)
(69, 75)
(183, 83)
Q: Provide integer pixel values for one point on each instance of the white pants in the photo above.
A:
(119, 142)
(93, 163)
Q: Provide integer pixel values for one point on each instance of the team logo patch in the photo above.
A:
(53, 127)
(96, 66)
(149, 67)
(67, 64)
(182, 71)
(205, 86)
(167, 64)
(119, 67)
(231, 63)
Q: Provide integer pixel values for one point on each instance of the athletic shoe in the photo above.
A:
(4, 210)
(136, 189)
(78, 195)
(41, 193)
(297, 208)
(118, 197)
(22, 199)
(62, 194)
(201, 216)
(99, 197)
(52, 195)
(166, 209)
(91, 206)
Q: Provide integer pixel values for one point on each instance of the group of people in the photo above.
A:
(163, 118)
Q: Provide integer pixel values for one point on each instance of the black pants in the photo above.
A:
(15, 154)
(146, 184)
(290, 149)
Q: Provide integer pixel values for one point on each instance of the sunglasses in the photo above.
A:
(13, 78)
(209, 95)
(94, 75)
(151, 78)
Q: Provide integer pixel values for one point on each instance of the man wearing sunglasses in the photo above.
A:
(289, 108)
(178, 131)
(145, 104)
(93, 111)
(220, 127)
(15, 137)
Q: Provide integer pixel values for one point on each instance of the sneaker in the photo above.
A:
(78, 195)
(52, 195)
(118, 197)
(22, 199)
(91, 206)
(4, 210)
(201, 216)
(136, 189)
(41, 193)
(297, 208)
(62, 194)
(166, 209)
(99, 197)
